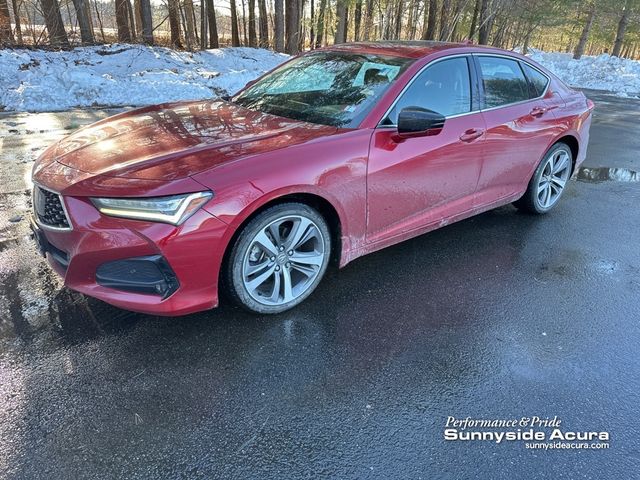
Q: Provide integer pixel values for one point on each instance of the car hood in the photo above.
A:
(177, 140)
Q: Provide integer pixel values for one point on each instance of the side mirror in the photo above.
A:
(416, 122)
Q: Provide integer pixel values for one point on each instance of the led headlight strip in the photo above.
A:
(174, 209)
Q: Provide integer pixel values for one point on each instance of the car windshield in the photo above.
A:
(329, 88)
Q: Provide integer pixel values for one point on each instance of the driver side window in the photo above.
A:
(444, 87)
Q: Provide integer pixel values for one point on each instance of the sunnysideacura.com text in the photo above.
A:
(542, 433)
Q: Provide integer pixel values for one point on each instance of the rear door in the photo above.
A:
(520, 125)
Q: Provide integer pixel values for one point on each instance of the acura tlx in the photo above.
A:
(336, 153)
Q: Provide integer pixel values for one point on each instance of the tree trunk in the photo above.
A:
(204, 19)
(99, 18)
(278, 26)
(341, 27)
(474, 20)
(579, 51)
(189, 24)
(235, 34)
(398, 19)
(146, 20)
(6, 34)
(253, 37)
(131, 19)
(445, 11)
(53, 21)
(527, 39)
(82, 14)
(213, 27)
(622, 27)
(357, 20)
(263, 24)
(137, 17)
(484, 29)
(312, 32)
(430, 31)
(292, 24)
(320, 24)
(16, 17)
(244, 23)
(368, 21)
(174, 23)
(122, 21)
(301, 24)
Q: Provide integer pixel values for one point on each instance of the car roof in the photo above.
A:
(408, 49)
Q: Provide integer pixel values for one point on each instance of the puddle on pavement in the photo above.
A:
(604, 174)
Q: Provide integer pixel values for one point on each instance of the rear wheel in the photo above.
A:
(279, 258)
(548, 181)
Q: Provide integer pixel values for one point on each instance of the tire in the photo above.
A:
(549, 181)
(278, 259)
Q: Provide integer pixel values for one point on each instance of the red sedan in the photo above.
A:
(337, 153)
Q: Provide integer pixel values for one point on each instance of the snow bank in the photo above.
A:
(118, 74)
(604, 72)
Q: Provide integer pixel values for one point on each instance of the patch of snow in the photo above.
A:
(620, 76)
(119, 75)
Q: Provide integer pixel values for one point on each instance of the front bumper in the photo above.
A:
(191, 254)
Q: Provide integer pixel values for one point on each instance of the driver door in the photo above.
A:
(425, 180)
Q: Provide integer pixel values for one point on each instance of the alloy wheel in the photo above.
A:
(553, 178)
(283, 260)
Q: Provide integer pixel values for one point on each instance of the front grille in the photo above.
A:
(48, 208)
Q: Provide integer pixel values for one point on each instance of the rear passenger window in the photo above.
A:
(536, 78)
(503, 81)
(443, 87)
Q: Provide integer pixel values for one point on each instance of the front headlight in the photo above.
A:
(174, 209)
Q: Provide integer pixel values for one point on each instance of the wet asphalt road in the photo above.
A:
(501, 316)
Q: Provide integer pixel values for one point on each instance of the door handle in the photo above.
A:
(471, 134)
(538, 111)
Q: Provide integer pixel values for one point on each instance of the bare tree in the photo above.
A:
(586, 29)
(213, 27)
(320, 25)
(235, 34)
(190, 36)
(6, 34)
(622, 28)
(244, 22)
(53, 21)
(146, 21)
(174, 23)
(484, 29)
(445, 11)
(253, 37)
(16, 18)
(292, 22)
(341, 27)
(278, 27)
(431, 16)
(84, 21)
(137, 16)
(263, 24)
(357, 20)
(368, 20)
(122, 21)
(474, 19)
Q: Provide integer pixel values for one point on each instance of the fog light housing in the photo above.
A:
(150, 274)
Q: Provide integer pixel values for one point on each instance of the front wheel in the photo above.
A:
(279, 258)
(548, 181)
